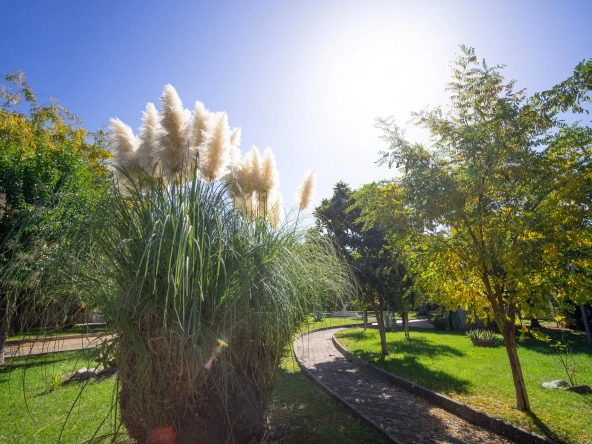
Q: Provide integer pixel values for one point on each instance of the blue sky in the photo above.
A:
(306, 78)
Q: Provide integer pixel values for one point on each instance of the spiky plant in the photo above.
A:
(191, 275)
(203, 295)
(207, 285)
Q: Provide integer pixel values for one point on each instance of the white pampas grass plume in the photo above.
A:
(239, 176)
(269, 179)
(201, 116)
(252, 170)
(175, 137)
(215, 151)
(243, 179)
(276, 214)
(150, 131)
(305, 193)
(236, 159)
(236, 156)
(124, 145)
(235, 137)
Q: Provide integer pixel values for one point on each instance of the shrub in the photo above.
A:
(481, 334)
(440, 323)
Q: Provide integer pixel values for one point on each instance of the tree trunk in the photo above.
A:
(405, 319)
(534, 323)
(509, 334)
(365, 318)
(3, 328)
(380, 319)
(586, 323)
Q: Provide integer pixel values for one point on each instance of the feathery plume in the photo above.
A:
(174, 139)
(277, 210)
(238, 177)
(235, 137)
(236, 156)
(269, 178)
(214, 152)
(252, 166)
(305, 193)
(124, 145)
(243, 179)
(150, 131)
(201, 116)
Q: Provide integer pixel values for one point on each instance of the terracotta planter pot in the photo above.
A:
(482, 343)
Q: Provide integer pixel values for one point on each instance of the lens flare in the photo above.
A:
(222, 343)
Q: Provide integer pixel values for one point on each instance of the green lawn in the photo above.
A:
(329, 322)
(39, 414)
(300, 413)
(448, 363)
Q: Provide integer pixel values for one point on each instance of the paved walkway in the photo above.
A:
(41, 347)
(403, 416)
(418, 323)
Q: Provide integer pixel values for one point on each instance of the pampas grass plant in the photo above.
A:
(192, 271)
(203, 282)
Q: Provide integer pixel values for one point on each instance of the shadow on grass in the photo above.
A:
(300, 413)
(405, 362)
(542, 427)
(32, 362)
(22, 365)
(577, 341)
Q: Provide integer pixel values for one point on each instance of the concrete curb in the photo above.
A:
(14, 342)
(330, 392)
(496, 425)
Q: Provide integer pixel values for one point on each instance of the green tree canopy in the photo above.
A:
(491, 197)
(384, 280)
(46, 160)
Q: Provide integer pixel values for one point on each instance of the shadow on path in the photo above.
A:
(401, 415)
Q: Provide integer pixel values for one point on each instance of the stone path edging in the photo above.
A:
(496, 425)
(330, 392)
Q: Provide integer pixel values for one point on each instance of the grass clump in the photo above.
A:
(203, 301)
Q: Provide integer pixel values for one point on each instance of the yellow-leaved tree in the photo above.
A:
(498, 203)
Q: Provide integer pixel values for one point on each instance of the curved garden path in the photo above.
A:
(54, 345)
(404, 417)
